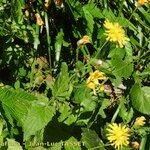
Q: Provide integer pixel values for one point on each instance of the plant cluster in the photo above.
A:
(74, 74)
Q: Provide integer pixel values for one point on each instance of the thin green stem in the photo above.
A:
(116, 113)
(133, 13)
(143, 142)
(97, 54)
(36, 38)
(77, 53)
(48, 40)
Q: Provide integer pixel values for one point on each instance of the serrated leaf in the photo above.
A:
(62, 87)
(15, 103)
(91, 140)
(36, 119)
(126, 114)
(65, 111)
(140, 97)
(66, 114)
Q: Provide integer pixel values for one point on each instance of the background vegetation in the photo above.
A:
(45, 61)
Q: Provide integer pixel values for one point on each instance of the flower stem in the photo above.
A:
(116, 113)
(36, 38)
(97, 54)
(48, 40)
(143, 142)
(133, 13)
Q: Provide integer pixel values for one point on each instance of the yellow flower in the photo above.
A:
(140, 121)
(93, 80)
(118, 135)
(115, 33)
(143, 2)
(85, 39)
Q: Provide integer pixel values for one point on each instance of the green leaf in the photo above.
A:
(140, 97)
(62, 87)
(91, 140)
(84, 98)
(58, 44)
(89, 18)
(36, 119)
(15, 103)
(66, 114)
(122, 68)
(17, 11)
(72, 144)
(104, 105)
(117, 52)
(13, 145)
(146, 71)
(126, 114)
(107, 13)
(94, 11)
(65, 111)
(145, 13)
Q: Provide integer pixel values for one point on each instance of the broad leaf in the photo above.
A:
(140, 97)
(62, 87)
(36, 119)
(15, 103)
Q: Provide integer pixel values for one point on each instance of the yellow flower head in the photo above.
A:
(140, 121)
(143, 2)
(115, 33)
(85, 39)
(93, 80)
(118, 135)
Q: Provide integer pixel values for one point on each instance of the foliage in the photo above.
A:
(49, 48)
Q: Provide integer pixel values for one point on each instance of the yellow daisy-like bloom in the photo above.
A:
(115, 33)
(93, 80)
(140, 121)
(118, 135)
(143, 2)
